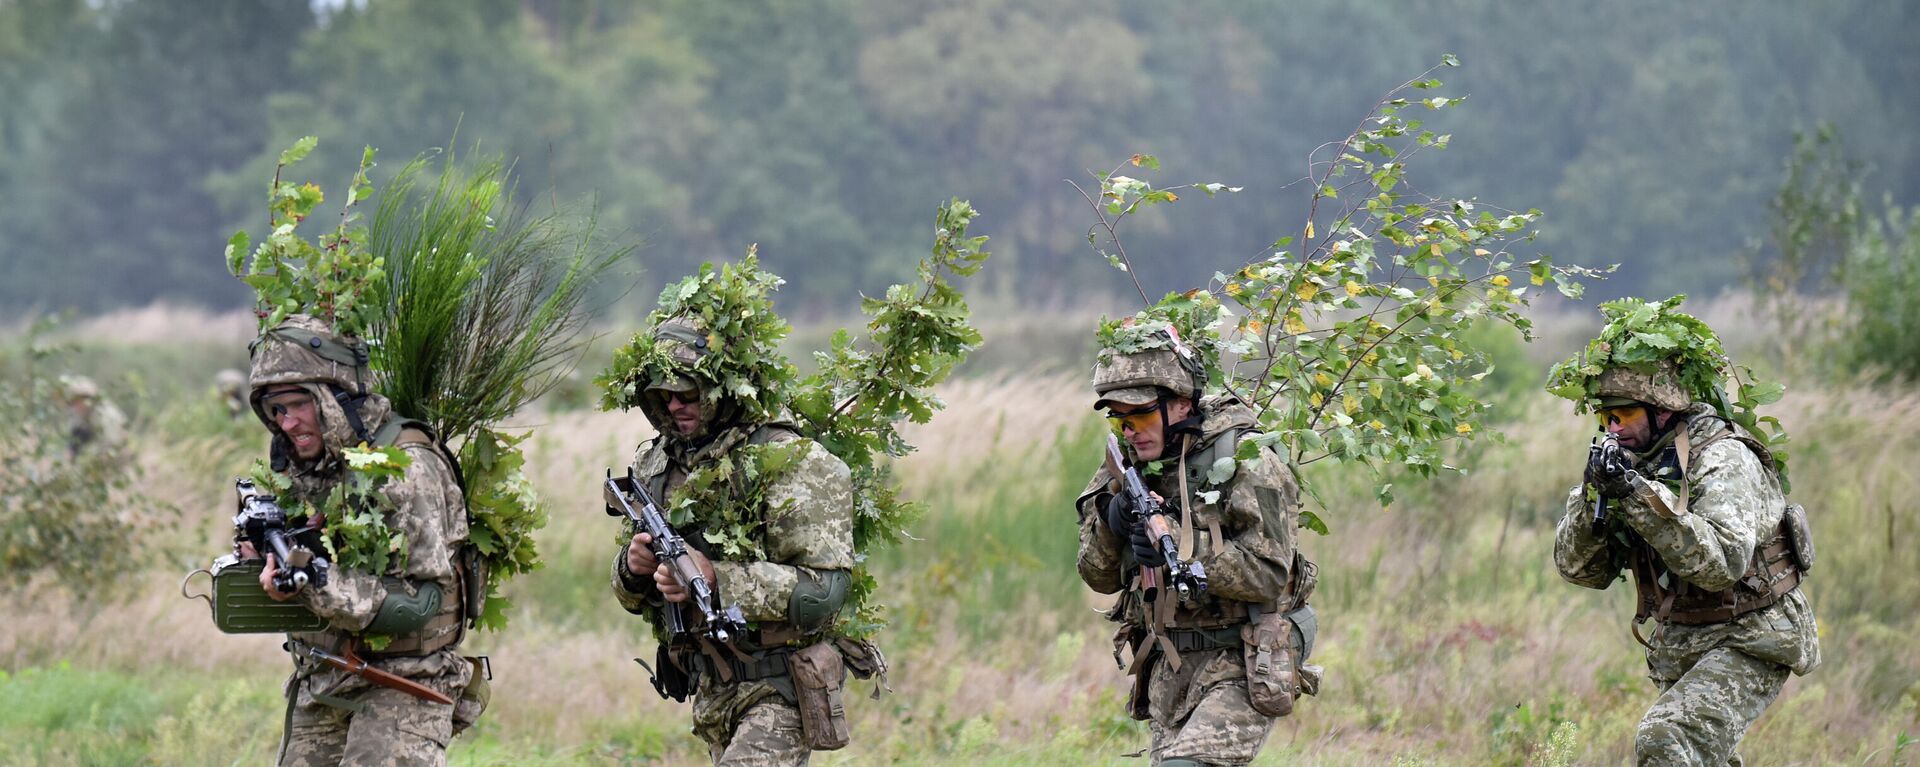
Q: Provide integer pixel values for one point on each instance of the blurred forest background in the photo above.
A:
(1761, 155)
(138, 134)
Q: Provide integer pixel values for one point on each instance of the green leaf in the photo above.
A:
(299, 150)
(1312, 521)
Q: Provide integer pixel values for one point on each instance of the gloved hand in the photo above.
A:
(1119, 515)
(1145, 550)
(1608, 473)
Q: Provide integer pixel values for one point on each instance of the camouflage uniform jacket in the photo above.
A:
(1250, 561)
(426, 507)
(809, 529)
(1734, 503)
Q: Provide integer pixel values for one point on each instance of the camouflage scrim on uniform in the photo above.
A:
(1716, 678)
(425, 508)
(1201, 710)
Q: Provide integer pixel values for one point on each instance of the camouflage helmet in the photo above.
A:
(1658, 386)
(303, 349)
(1138, 378)
(684, 342)
(230, 382)
(79, 387)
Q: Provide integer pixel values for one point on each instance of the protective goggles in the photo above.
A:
(277, 406)
(1136, 420)
(1626, 415)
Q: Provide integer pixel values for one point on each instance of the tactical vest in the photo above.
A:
(1772, 573)
(448, 626)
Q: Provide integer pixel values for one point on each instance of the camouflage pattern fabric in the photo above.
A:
(813, 531)
(1219, 726)
(1716, 677)
(1201, 711)
(768, 735)
(391, 729)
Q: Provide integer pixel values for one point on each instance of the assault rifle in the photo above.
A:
(1189, 578)
(262, 523)
(1615, 464)
(722, 624)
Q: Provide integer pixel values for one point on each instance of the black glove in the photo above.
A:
(1610, 480)
(1119, 514)
(1146, 551)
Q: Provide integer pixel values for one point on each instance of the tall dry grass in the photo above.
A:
(1447, 636)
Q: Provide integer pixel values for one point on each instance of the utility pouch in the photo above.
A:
(1306, 627)
(474, 699)
(1306, 575)
(819, 685)
(473, 577)
(240, 606)
(1268, 644)
(1799, 535)
(669, 678)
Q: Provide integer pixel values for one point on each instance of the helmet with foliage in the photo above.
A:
(79, 387)
(1139, 367)
(1649, 353)
(303, 351)
(715, 330)
(1659, 387)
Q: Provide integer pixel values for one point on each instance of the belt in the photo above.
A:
(1195, 640)
(765, 664)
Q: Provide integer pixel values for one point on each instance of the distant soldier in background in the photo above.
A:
(1693, 507)
(95, 423)
(231, 387)
(1211, 673)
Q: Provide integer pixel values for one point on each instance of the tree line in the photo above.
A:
(138, 134)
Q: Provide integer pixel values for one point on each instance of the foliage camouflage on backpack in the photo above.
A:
(444, 350)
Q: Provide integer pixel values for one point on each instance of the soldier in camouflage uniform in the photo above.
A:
(1717, 555)
(310, 389)
(744, 695)
(1191, 659)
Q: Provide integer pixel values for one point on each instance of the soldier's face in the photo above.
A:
(1632, 424)
(684, 408)
(1144, 429)
(294, 412)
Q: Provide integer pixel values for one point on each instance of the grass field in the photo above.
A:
(1446, 635)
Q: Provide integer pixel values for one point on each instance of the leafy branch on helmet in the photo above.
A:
(1640, 336)
(1353, 348)
(917, 333)
(334, 278)
(470, 307)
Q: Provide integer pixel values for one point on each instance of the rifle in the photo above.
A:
(1189, 578)
(1614, 462)
(262, 523)
(720, 625)
(354, 665)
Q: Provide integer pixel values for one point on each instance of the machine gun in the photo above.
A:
(627, 498)
(262, 523)
(1615, 463)
(1189, 578)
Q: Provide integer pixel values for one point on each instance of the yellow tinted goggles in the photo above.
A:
(1628, 416)
(1138, 421)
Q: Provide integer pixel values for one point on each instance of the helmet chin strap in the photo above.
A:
(1176, 433)
(350, 404)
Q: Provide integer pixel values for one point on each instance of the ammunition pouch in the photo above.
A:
(240, 606)
(1272, 682)
(474, 699)
(1799, 535)
(819, 683)
(817, 598)
(400, 613)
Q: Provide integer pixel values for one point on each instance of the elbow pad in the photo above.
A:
(817, 598)
(401, 614)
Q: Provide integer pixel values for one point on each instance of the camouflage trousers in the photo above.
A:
(768, 735)
(1201, 713)
(1707, 702)
(391, 729)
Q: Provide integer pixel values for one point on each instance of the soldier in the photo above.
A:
(1703, 525)
(1213, 673)
(95, 423)
(746, 703)
(230, 387)
(309, 387)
